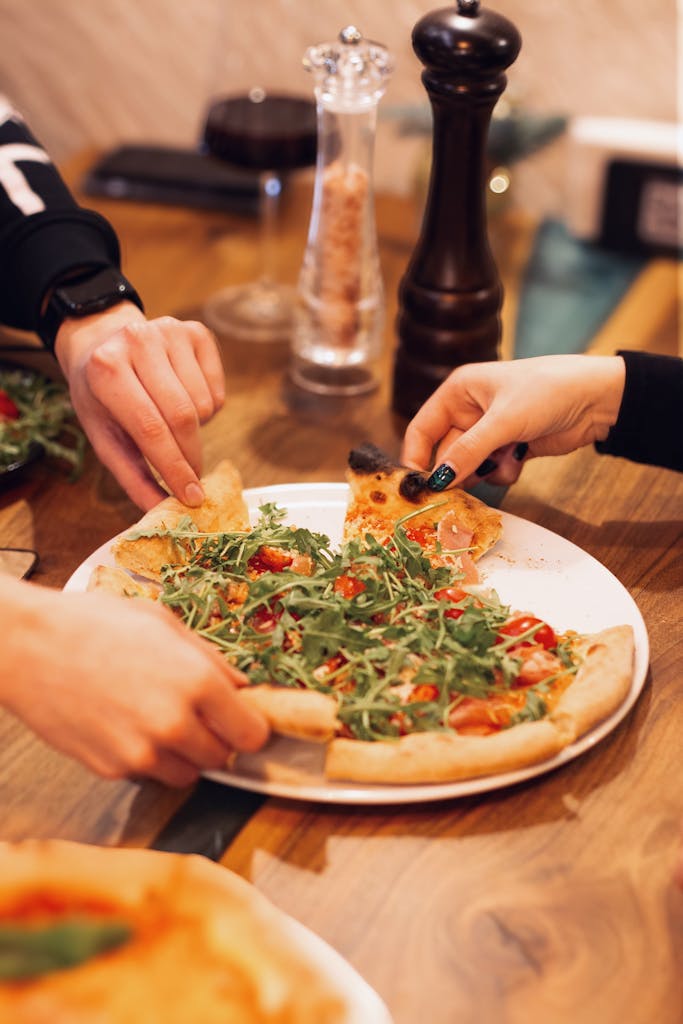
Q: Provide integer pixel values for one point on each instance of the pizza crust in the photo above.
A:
(207, 946)
(383, 492)
(299, 714)
(442, 756)
(601, 684)
(112, 580)
(223, 510)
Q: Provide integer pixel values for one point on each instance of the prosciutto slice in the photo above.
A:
(452, 536)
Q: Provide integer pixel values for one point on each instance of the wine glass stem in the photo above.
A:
(270, 189)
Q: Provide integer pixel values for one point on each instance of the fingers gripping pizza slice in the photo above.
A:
(384, 649)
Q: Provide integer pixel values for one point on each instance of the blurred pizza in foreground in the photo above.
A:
(89, 934)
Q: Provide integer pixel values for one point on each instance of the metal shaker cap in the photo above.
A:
(350, 73)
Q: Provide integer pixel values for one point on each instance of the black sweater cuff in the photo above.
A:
(43, 249)
(649, 427)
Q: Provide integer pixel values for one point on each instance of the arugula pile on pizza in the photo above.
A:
(388, 650)
(90, 934)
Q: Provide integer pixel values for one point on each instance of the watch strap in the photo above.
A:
(88, 293)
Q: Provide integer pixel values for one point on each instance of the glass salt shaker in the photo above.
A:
(339, 313)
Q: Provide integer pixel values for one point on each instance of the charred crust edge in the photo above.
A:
(412, 486)
(367, 458)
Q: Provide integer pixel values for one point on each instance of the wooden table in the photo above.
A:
(544, 903)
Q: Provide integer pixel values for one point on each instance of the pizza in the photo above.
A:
(118, 935)
(383, 493)
(35, 417)
(158, 539)
(390, 650)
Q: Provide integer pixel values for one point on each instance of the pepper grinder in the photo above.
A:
(340, 301)
(450, 296)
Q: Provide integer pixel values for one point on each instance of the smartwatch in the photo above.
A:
(89, 292)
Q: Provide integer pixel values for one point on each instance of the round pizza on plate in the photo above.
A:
(389, 649)
(90, 934)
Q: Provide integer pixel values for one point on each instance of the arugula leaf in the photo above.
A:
(534, 709)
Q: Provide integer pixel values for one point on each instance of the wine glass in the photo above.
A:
(274, 134)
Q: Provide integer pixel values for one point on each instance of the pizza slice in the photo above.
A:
(152, 544)
(111, 935)
(455, 528)
(503, 730)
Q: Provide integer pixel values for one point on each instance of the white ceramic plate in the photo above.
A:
(364, 1005)
(531, 568)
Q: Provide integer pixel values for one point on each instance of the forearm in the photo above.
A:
(649, 425)
(26, 612)
(44, 234)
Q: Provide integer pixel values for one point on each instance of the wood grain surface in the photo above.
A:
(547, 903)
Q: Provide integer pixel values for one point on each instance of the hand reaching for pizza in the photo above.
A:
(120, 685)
(487, 417)
(141, 388)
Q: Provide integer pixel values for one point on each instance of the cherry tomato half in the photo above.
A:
(422, 535)
(423, 691)
(544, 635)
(8, 410)
(269, 559)
(264, 620)
(454, 594)
(348, 586)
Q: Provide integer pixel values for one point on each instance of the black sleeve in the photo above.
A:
(44, 234)
(649, 427)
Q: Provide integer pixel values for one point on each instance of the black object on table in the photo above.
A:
(174, 176)
(450, 296)
(209, 820)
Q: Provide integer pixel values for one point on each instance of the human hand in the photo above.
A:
(499, 413)
(122, 686)
(141, 388)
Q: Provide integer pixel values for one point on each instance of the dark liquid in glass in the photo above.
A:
(277, 133)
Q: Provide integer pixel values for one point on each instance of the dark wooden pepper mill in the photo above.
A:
(450, 295)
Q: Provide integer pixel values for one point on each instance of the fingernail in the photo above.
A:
(442, 476)
(520, 451)
(487, 466)
(194, 495)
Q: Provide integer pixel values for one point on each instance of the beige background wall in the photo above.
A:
(95, 72)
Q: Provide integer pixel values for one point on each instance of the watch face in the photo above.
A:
(100, 290)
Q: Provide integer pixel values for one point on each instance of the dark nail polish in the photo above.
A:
(441, 478)
(520, 451)
(487, 466)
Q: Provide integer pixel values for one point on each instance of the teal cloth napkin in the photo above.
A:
(569, 290)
